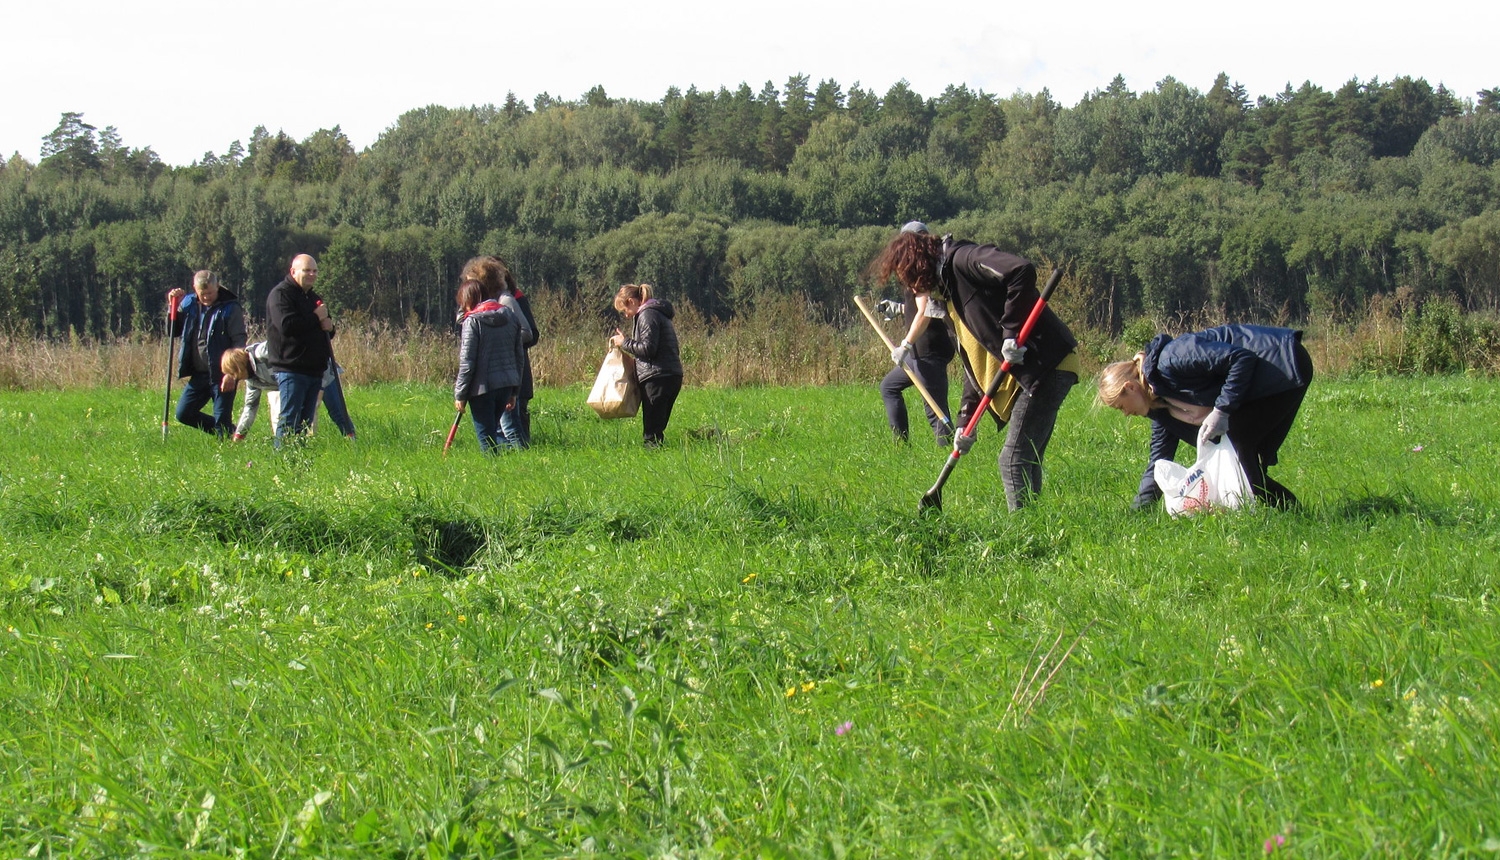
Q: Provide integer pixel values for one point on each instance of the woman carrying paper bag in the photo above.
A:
(1243, 381)
(653, 345)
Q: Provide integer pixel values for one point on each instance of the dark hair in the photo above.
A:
(912, 259)
(470, 293)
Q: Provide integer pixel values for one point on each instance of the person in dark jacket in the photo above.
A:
(989, 293)
(926, 351)
(298, 345)
(209, 321)
(1247, 381)
(489, 361)
(489, 270)
(658, 363)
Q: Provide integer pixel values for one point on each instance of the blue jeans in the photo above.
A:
(513, 423)
(199, 390)
(333, 401)
(487, 411)
(299, 402)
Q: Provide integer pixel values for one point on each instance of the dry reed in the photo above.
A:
(784, 341)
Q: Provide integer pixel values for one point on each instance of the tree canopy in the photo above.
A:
(1167, 201)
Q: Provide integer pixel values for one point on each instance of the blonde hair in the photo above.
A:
(235, 363)
(1114, 377)
(637, 293)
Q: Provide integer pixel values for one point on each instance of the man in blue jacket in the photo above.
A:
(209, 321)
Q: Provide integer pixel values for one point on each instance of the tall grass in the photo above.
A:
(746, 643)
(783, 340)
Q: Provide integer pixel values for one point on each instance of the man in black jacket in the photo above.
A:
(298, 329)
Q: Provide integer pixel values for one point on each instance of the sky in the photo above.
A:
(186, 78)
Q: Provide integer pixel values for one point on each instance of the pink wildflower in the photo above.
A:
(844, 728)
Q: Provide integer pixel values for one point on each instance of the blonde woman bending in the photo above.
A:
(1244, 381)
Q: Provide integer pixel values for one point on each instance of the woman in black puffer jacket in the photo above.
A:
(653, 345)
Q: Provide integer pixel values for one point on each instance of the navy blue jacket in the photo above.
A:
(1224, 367)
(224, 322)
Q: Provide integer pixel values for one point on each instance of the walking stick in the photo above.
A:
(933, 498)
(940, 411)
(453, 431)
(166, 409)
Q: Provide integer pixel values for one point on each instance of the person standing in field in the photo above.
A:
(658, 363)
(990, 293)
(489, 269)
(926, 350)
(298, 345)
(489, 360)
(209, 321)
(1246, 381)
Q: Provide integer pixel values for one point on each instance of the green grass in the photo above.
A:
(370, 650)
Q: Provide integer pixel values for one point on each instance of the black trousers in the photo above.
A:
(658, 394)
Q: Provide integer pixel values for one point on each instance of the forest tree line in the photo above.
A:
(1166, 203)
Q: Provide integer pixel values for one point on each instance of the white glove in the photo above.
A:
(900, 354)
(962, 443)
(1214, 426)
(1012, 351)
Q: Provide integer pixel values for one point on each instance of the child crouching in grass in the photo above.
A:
(250, 366)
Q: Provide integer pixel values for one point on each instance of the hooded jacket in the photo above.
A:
(490, 349)
(653, 341)
(993, 292)
(223, 327)
(295, 342)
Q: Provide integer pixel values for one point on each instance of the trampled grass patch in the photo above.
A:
(746, 643)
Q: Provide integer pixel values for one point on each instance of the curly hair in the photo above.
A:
(491, 273)
(912, 259)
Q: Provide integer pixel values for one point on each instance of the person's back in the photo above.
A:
(496, 356)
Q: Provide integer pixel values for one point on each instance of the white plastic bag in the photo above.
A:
(1215, 481)
(616, 394)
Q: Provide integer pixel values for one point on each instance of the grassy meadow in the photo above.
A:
(746, 643)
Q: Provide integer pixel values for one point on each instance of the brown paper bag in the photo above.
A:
(616, 394)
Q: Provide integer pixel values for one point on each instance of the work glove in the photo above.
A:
(1012, 351)
(1214, 426)
(900, 354)
(890, 309)
(962, 443)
